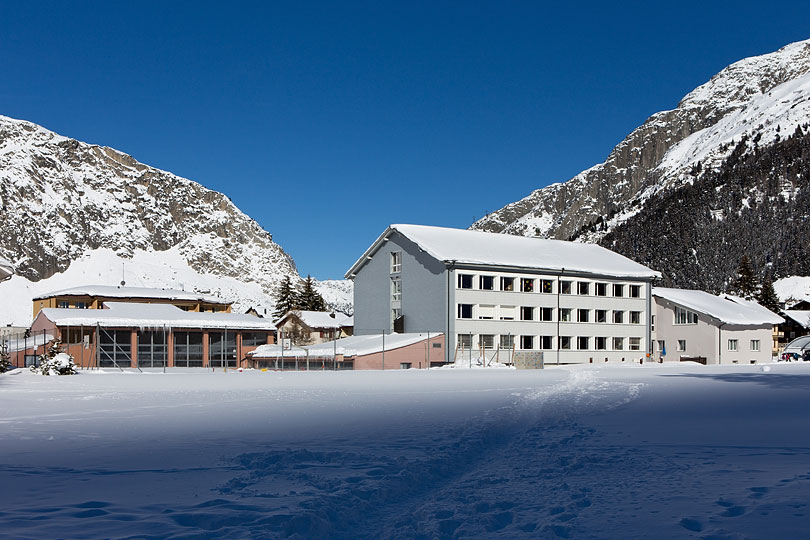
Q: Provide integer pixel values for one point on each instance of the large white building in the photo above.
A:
(721, 329)
(489, 292)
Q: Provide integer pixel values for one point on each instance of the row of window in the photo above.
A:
(546, 286)
(733, 345)
(531, 313)
(526, 342)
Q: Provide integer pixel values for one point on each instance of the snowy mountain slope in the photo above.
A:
(758, 97)
(338, 294)
(73, 214)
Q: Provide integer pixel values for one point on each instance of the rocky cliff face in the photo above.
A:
(61, 198)
(756, 98)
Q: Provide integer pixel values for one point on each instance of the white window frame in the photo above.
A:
(755, 345)
(396, 262)
(681, 345)
(684, 316)
(733, 345)
(634, 344)
(396, 290)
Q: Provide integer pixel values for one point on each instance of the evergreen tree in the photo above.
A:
(309, 299)
(55, 362)
(286, 298)
(5, 357)
(767, 296)
(745, 284)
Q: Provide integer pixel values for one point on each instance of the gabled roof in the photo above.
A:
(725, 308)
(134, 292)
(800, 316)
(319, 319)
(125, 314)
(504, 250)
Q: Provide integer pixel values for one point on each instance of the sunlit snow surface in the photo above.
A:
(680, 451)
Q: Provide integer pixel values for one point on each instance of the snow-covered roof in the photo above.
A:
(800, 316)
(725, 308)
(127, 314)
(348, 346)
(792, 290)
(320, 319)
(134, 292)
(503, 250)
(275, 351)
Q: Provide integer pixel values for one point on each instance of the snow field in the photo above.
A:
(654, 451)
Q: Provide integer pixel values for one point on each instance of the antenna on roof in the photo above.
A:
(122, 275)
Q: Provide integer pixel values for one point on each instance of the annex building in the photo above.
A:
(490, 292)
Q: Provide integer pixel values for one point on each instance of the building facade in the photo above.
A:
(313, 327)
(696, 325)
(490, 293)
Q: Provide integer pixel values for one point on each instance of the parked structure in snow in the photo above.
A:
(711, 329)
(372, 351)
(94, 296)
(313, 327)
(151, 335)
(488, 292)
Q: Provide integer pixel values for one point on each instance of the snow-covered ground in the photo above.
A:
(673, 451)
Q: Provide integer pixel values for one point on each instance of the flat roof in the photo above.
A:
(493, 249)
(348, 346)
(129, 314)
(133, 292)
(727, 309)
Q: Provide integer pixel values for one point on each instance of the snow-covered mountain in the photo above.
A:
(756, 98)
(73, 213)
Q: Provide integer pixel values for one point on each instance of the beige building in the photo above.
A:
(94, 296)
(313, 327)
(696, 325)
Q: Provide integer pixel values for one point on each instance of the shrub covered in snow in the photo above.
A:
(5, 358)
(55, 362)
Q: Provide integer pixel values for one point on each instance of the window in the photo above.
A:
(583, 343)
(565, 287)
(527, 342)
(222, 349)
(652, 323)
(618, 343)
(684, 316)
(507, 284)
(565, 342)
(527, 285)
(601, 289)
(486, 312)
(507, 341)
(76, 336)
(635, 291)
(115, 348)
(465, 341)
(507, 313)
(81, 305)
(635, 317)
(465, 281)
(601, 315)
(582, 315)
(755, 345)
(396, 290)
(546, 342)
(583, 288)
(188, 349)
(546, 286)
(661, 345)
(601, 343)
(152, 350)
(63, 304)
(546, 314)
(565, 314)
(635, 343)
(486, 341)
(681, 345)
(526, 313)
(618, 317)
(404, 365)
(486, 283)
(618, 290)
(253, 339)
(732, 344)
(465, 311)
(396, 262)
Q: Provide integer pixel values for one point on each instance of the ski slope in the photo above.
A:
(672, 451)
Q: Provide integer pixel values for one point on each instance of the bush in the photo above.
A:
(55, 362)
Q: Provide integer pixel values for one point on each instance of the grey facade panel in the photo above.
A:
(424, 290)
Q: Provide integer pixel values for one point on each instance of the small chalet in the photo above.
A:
(313, 327)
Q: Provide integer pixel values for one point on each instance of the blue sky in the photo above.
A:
(325, 122)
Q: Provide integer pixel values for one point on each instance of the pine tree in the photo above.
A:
(55, 362)
(309, 299)
(745, 284)
(767, 296)
(5, 357)
(286, 298)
